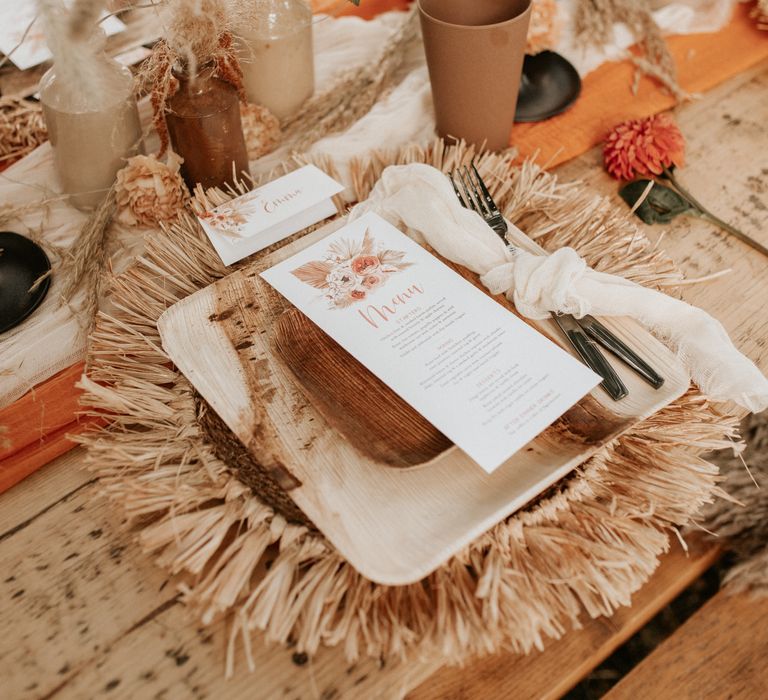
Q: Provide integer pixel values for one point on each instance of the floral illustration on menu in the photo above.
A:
(351, 270)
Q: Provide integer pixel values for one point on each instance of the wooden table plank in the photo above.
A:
(718, 653)
(563, 663)
(87, 621)
(41, 491)
(90, 616)
(726, 168)
(85, 614)
(72, 580)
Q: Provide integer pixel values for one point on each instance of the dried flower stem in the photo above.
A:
(198, 33)
(353, 94)
(157, 75)
(646, 67)
(594, 20)
(709, 216)
(77, 47)
(10, 212)
(84, 261)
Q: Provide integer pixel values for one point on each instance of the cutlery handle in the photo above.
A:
(608, 340)
(596, 361)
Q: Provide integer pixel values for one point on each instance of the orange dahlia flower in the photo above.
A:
(643, 147)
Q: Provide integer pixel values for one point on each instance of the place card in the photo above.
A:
(479, 374)
(268, 214)
(21, 32)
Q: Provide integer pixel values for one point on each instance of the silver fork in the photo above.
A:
(477, 197)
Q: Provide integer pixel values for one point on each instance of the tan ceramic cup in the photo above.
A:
(475, 51)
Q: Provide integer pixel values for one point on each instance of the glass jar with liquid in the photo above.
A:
(276, 54)
(91, 134)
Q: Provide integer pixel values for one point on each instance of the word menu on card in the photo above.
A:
(479, 374)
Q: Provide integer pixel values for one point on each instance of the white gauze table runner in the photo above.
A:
(421, 199)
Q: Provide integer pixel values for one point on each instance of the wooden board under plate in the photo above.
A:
(394, 526)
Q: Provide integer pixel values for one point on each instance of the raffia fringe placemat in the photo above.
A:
(583, 547)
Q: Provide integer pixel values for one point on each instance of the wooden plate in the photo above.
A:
(394, 526)
(358, 404)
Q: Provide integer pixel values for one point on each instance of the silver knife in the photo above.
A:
(591, 356)
(599, 333)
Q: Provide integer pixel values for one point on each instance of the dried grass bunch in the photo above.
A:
(197, 33)
(77, 44)
(353, 93)
(594, 20)
(545, 26)
(22, 128)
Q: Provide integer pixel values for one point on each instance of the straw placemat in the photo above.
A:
(582, 548)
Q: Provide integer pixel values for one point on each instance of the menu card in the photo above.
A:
(486, 379)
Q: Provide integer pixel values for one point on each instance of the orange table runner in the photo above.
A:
(33, 430)
(703, 61)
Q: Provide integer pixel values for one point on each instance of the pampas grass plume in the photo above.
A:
(76, 43)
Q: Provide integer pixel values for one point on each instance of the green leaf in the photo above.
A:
(355, 2)
(660, 206)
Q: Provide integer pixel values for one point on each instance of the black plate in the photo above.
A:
(22, 262)
(549, 86)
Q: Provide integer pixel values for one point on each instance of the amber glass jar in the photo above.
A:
(203, 119)
(276, 55)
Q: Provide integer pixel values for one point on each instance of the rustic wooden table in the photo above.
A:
(85, 614)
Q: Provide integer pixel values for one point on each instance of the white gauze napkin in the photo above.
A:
(421, 199)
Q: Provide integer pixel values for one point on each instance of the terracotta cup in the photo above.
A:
(475, 51)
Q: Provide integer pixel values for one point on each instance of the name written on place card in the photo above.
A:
(268, 214)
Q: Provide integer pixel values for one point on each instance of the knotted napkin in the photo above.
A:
(420, 198)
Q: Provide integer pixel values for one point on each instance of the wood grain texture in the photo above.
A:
(549, 674)
(354, 401)
(394, 526)
(86, 615)
(719, 652)
(140, 644)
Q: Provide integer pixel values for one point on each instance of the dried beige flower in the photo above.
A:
(149, 191)
(760, 14)
(544, 29)
(261, 129)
